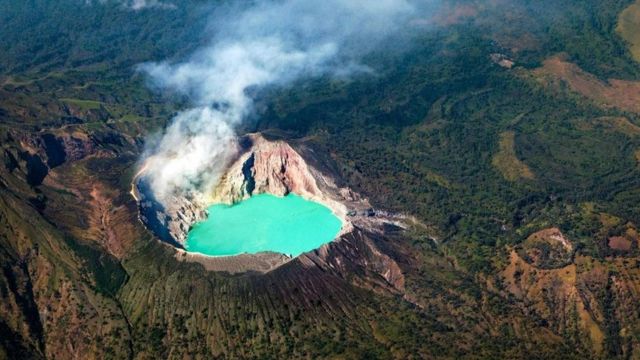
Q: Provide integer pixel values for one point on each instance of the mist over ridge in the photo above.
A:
(271, 43)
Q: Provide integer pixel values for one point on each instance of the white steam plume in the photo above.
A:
(270, 43)
(137, 4)
(142, 4)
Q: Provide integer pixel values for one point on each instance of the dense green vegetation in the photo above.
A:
(425, 134)
(419, 137)
(42, 36)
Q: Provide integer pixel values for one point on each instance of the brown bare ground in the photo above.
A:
(620, 243)
(110, 226)
(114, 227)
(622, 94)
(553, 293)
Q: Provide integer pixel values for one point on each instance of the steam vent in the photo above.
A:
(270, 206)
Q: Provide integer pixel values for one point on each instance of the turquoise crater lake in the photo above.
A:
(289, 225)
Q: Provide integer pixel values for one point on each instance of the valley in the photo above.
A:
(486, 211)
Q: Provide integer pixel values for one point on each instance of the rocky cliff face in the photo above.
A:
(172, 222)
(267, 167)
(275, 167)
(263, 167)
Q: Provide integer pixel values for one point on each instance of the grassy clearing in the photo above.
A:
(629, 28)
(83, 104)
(507, 162)
(438, 179)
(613, 93)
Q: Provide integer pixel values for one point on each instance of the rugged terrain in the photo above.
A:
(506, 137)
(264, 167)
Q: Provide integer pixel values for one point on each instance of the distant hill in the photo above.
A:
(506, 131)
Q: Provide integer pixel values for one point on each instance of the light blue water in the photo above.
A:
(290, 225)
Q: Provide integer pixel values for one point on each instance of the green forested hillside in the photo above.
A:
(41, 35)
(501, 126)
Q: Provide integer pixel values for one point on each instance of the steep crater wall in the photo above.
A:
(271, 167)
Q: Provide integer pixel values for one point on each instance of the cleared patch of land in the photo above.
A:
(621, 94)
(626, 240)
(629, 28)
(507, 162)
(620, 243)
(83, 104)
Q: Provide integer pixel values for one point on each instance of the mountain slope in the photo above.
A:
(507, 134)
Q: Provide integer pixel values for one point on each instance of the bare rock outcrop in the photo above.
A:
(275, 167)
(185, 213)
(172, 222)
(266, 167)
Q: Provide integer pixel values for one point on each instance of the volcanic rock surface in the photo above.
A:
(275, 167)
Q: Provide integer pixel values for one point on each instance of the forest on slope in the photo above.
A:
(508, 128)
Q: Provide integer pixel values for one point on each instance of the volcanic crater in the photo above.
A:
(279, 168)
